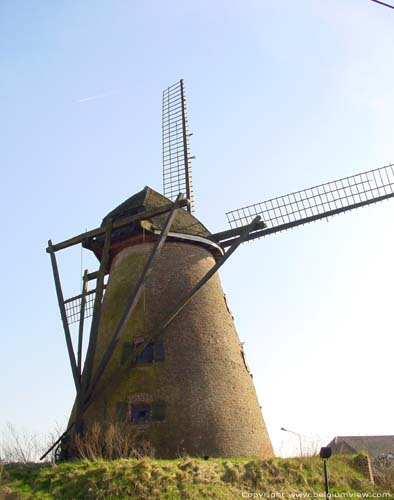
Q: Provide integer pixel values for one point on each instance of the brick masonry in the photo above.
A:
(211, 407)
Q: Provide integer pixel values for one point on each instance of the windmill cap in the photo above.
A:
(185, 227)
(147, 200)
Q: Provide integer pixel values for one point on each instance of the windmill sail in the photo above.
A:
(73, 306)
(318, 202)
(175, 140)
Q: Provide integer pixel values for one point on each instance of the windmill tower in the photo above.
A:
(163, 356)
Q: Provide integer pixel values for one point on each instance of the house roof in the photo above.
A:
(373, 445)
(148, 199)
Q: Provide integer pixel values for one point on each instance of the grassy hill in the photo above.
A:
(190, 478)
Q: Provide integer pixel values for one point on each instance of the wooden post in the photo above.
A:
(82, 319)
(57, 441)
(97, 307)
(80, 238)
(232, 233)
(63, 314)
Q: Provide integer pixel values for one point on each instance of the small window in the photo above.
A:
(153, 352)
(146, 356)
(141, 413)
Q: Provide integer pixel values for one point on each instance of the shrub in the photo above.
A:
(383, 471)
(110, 442)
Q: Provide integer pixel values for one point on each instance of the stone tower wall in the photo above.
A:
(211, 406)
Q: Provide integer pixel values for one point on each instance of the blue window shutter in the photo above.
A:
(158, 410)
(158, 351)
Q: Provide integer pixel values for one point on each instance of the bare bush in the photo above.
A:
(21, 447)
(311, 445)
(26, 447)
(111, 442)
(383, 470)
(107, 442)
(52, 437)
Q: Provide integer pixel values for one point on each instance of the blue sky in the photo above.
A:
(281, 96)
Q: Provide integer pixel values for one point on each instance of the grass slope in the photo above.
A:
(187, 478)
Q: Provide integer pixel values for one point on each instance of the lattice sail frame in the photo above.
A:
(177, 177)
(324, 200)
(73, 307)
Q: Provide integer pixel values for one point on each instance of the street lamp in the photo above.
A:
(296, 433)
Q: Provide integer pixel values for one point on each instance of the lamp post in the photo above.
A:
(296, 433)
(325, 454)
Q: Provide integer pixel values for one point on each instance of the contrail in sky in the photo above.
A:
(95, 97)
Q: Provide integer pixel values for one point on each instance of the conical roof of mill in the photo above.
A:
(148, 199)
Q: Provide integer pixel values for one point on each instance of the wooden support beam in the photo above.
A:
(158, 331)
(134, 298)
(63, 315)
(82, 319)
(117, 224)
(232, 233)
(76, 297)
(242, 237)
(97, 306)
(57, 441)
(93, 275)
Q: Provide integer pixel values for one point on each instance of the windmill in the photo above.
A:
(163, 354)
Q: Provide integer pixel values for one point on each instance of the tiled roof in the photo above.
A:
(373, 445)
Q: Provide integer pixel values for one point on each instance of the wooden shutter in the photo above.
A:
(122, 411)
(127, 351)
(158, 410)
(158, 351)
